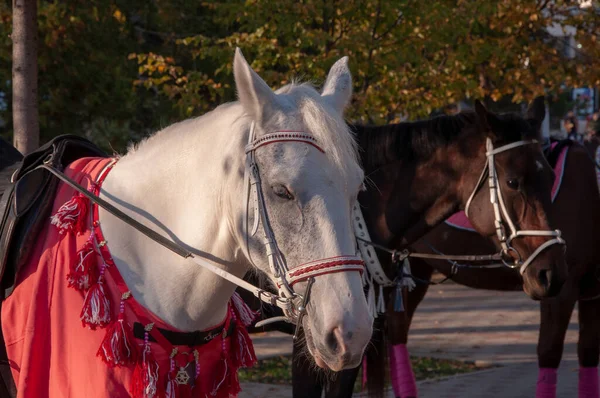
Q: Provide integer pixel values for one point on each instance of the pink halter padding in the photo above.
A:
(325, 266)
(459, 220)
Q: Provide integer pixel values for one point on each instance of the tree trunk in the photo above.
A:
(24, 76)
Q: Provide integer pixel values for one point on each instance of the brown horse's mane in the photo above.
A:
(410, 141)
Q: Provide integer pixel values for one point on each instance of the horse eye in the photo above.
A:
(513, 184)
(282, 192)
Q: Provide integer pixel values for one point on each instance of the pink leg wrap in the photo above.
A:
(546, 383)
(364, 372)
(403, 378)
(588, 383)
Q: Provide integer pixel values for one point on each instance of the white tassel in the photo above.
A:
(380, 301)
(371, 304)
(407, 280)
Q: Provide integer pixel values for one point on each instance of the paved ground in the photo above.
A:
(461, 323)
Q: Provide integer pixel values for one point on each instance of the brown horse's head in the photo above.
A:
(420, 173)
(519, 224)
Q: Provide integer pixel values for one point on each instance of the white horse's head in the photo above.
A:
(309, 196)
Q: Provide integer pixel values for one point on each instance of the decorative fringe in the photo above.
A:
(223, 379)
(371, 304)
(116, 348)
(145, 375)
(84, 271)
(242, 348)
(234, 383)
(380, 301)
(244, 313)
(71, 216)
(398, 299)
(96, 307)
(171, 389)
(407, 280)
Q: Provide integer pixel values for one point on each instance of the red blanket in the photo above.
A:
(68, 325)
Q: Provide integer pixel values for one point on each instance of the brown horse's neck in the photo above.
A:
(412, 189)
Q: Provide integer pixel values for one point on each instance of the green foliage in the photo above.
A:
(407, 57)
(116, 70)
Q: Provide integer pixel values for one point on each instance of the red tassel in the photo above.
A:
(171, 390)
(145, 376)
(117, 348)
(84, 271)
(233, 383)
(242, 311)
(96, 307)
(242, 354)
(71, 216)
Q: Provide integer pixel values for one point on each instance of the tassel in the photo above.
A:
(380, 301)
(243, 312)
(116, 348)
(145, 374)
(398, 299)
(241, 345)
(84, 271)
(171, 389)
(407, 279)
(220, 383)
(371, 301)
(96, 307)
(233, 384)
(198, 387)
(71, 216)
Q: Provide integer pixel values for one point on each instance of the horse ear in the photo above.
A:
(536, 112)
(337, 89)
(483, 115)
(256, 96)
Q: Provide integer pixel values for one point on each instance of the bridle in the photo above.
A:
(285, 277)
(502, 221)
(293, 304)
(375, 274)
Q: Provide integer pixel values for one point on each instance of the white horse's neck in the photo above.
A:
(187, 184)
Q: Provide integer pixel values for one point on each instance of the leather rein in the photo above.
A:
(292, 304)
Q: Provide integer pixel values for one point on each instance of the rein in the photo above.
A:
(293, 304)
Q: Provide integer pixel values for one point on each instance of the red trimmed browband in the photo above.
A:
(325, 266)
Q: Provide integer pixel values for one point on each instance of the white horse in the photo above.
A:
(188, 179)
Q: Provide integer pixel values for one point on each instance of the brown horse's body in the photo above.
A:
(576, 212)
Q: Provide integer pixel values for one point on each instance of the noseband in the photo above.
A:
(502, 219)
(285, 278)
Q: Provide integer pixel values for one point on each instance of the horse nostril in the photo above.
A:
(331, 340)
(545, 278)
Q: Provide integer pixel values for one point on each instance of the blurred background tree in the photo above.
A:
(117, 70)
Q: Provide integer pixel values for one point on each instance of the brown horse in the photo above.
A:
(576, 211)
(420, 173)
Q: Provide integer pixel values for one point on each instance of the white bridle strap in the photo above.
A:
(500, 212)
(281, 136)
(285, 278)
(367, 251)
